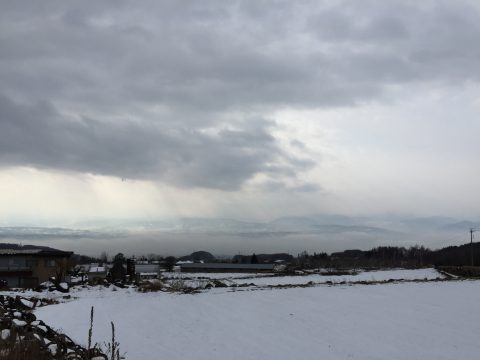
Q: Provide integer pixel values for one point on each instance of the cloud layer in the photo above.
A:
(178, 92)
(39, 136)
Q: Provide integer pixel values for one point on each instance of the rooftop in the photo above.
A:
(228, 266)
(97, 269)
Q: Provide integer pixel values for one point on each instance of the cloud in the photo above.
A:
(130, 89)
(399, 43)
(37, 135)
(218, 56)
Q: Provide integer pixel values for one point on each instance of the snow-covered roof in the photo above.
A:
(97, 269)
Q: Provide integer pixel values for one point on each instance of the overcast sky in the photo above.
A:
(243, 109)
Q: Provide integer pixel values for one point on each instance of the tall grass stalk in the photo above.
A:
(90, 331)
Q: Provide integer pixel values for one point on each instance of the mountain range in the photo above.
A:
(324, 224)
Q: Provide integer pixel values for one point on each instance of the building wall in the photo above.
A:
(30, 271)
(12, 280)
(13, 269)
(13, 262)
(222, 270)
(46, 267)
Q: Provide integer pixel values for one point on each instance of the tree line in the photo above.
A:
(394, 256)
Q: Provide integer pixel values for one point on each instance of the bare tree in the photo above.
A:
(170, 263)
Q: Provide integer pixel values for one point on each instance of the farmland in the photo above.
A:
(339, 320)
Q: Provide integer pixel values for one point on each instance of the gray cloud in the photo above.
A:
(221, 55)
(276, 186)
(175, 69)
(37, 135)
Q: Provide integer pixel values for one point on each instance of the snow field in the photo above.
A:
(394, 321)
(267, 279)
(381, 275)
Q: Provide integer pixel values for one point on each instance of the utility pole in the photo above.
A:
(472, 230)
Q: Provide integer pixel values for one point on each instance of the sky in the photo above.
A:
(250, 110)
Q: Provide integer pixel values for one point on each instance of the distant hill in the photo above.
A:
(330, 224)
(322, 224)
(198, 256)
(23, 247)
(34, 233)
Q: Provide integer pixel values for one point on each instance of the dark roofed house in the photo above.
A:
(230, 267)
(21, 267)
(147, 271)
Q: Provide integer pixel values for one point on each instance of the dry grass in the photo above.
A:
(23, 350)
(25, 346)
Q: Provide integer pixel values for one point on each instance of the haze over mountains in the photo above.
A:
(228, 236)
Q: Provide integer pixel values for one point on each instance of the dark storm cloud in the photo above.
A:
(177, 68)
(37, 135)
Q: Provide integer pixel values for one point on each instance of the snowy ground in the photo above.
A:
(433, 320)
(270, 279)
(417, 274)
(212, 275)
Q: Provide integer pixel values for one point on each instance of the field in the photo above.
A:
(271, 280)
(406, 320)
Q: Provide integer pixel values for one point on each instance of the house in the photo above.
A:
(21, 267)
(229, 267)
(93, 272)
(147, 271)
(96, 273)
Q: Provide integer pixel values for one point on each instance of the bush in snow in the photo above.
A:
(150, 285)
